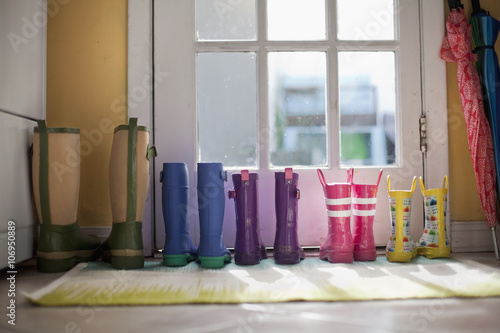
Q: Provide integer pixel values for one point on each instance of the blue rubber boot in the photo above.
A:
(211, 201)
(178, 249)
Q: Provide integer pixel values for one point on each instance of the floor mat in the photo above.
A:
(96, 283)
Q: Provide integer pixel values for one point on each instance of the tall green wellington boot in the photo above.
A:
(128, 183)
(56, 183)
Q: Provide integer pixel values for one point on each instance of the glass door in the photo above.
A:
(264, 85)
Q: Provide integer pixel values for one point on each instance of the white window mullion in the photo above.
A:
(263, 148)
(332, 112)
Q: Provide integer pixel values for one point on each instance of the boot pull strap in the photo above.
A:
(132, 170)
(43, 175)
(321, 177)
(421, 182)
(245, 176)
(288, 174)
(151, 152)
(445, 182)
(379, 177)
(413, 184)
(350, 175)
(388, 183)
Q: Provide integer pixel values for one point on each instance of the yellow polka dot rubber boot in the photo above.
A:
(434, 241)
(400, 247)
(128, 183)
(56, 183)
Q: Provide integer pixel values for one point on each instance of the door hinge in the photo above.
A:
(423, 133)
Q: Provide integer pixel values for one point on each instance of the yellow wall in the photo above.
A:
(464, 200)
(86, 76)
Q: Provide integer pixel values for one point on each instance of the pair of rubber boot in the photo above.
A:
(345, 202)
(179, 248)
(434, 241)
(249, 249)
(56, 182)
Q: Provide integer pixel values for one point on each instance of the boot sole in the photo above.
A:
(287, 258)
(338, 258)
(247, 258)
(213, 262)
(49, 265)
(177, 260)
(401, 256)
(127, 262)
(433, 253)
(122, 262)
(365, 255)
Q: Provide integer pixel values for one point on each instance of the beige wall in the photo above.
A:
(464, 200)
(86, 76)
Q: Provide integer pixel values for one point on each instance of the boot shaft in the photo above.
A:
(211, 198)
(175, 195)
(129, 171)
(245, 195)
(400, 242)
(286, 196)
(434, 240)
(56, 173)
(364, 198)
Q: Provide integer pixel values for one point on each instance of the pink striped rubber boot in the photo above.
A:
(338, 246)
(364, 203)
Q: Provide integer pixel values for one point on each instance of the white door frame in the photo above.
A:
(141, 99)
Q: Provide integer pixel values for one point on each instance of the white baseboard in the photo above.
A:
(471, 236)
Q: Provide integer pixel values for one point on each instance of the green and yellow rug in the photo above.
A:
(97, 283)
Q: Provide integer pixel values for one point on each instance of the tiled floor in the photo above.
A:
(434, 315)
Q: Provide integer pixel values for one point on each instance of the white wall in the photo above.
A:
(22, 101)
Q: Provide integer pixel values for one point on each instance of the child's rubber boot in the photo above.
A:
(286, 242)
(338, 246)
(128, 184)
(211, 201)
(400, 247)
(434, 241)
(56, 182)
(364, 203)
(179, 250)
(248, 249)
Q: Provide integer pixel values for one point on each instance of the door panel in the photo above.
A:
(177, 136)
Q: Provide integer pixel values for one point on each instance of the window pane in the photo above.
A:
(226, 20)
(297, 104)
(296, 20)
(365, 19)
(227, 108)
(367, 102)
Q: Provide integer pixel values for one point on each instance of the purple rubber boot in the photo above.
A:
(286, 243)
(248, 249)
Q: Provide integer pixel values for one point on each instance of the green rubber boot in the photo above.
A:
(128, 182)
(56, 182)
